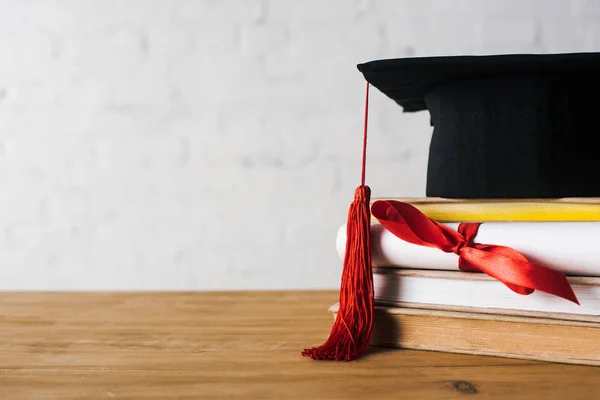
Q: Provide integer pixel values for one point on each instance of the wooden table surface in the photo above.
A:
(235, 346)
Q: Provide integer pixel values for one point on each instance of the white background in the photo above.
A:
(190, 144)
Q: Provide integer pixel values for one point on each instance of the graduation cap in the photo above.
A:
(505, 126)
(508, 126)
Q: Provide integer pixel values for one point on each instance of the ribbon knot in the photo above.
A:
(467, 231)
(500, 262)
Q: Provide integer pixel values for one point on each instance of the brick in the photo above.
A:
(530, 9)
(591, 37)
(224, 11)
(331, 10)
(263, 40)
(586, 10)
(181, 44)
(512, 36)
(407, 9)
(319, 40)
(564, 36)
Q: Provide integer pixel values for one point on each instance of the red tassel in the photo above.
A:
(352, 330)
(353, 327)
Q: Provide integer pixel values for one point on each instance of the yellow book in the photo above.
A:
(452, 210)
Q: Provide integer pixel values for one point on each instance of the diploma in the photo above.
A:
(572, 248)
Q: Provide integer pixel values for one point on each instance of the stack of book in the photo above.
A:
(423, 301)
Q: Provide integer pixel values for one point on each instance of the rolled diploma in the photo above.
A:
(570, 247)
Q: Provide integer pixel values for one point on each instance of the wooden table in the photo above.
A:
(235, 346)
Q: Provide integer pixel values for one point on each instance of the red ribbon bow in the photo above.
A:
(500, 262)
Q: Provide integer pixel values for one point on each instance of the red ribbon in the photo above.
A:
(500, 262)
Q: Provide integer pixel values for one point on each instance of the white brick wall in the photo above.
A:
(189, 144)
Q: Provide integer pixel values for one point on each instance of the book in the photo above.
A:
(467, 289)
(482, 210)
(492, 311)
(521, 337)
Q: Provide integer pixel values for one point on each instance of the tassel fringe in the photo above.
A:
(353, 327)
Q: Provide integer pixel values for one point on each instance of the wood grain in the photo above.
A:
(236, 346)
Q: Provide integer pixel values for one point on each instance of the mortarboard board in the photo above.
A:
(507, 126)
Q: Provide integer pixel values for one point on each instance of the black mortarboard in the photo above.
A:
(506, 126)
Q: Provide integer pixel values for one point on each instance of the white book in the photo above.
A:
(478, 290)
